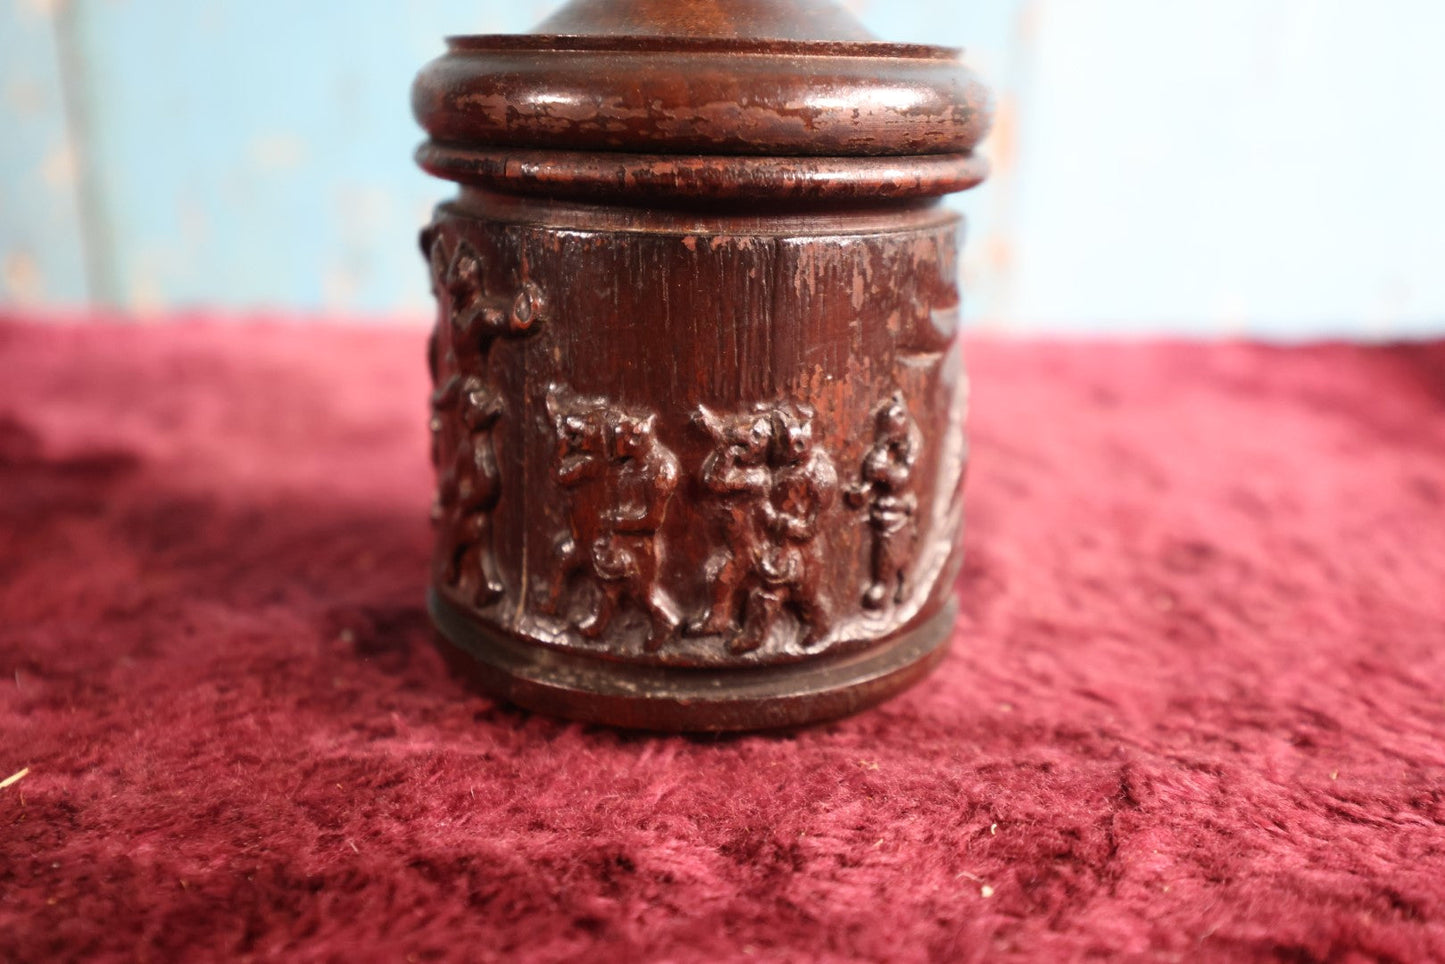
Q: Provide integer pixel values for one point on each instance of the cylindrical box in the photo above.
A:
(698, 408)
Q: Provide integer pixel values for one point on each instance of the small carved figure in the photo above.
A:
(429, 239)
(805, 484)
(431, 249)
(736, 475)
(461, 344)
(620, 478)
(884, 490)
(578, 466)
(465, 408)
(469, 492)
(476, 320)
(770, 484)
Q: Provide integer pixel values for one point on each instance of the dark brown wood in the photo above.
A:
(674, 95)
(698, 408)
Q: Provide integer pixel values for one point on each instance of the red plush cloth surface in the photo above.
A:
(1195, 707)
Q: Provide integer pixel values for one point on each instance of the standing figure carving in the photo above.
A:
(474, 320)
(884, 490)
(469, 489)
(433, 251)
(803, 485)
(620, 479)
(465, 409)
(735, 475)
(769, 484)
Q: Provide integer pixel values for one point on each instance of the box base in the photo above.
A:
(596, 690)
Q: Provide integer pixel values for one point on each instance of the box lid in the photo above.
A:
(705, 89)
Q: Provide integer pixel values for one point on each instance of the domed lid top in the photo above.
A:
(731, 19)
(781, 78)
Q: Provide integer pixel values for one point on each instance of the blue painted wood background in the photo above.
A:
(1266, 167)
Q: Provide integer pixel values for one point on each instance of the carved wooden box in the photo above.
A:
(698, 408)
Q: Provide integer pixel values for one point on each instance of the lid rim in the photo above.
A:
(676, 101)
(761, 78)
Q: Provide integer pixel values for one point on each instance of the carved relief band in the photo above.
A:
(699, 465)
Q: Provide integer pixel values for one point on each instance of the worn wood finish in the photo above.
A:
(698, 417)
(707, 96)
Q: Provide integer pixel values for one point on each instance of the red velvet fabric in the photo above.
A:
(1195, 707)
